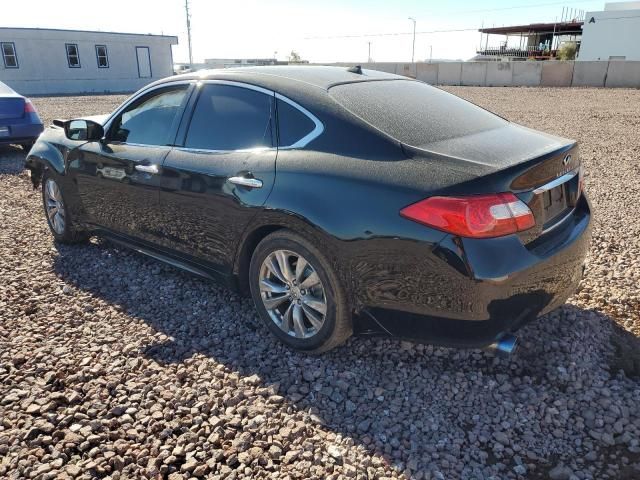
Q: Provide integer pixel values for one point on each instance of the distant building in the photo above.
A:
(52, 61)
(240, 62)
(612, 34)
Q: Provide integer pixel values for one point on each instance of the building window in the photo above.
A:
(73, 57)
(9, 55)
(102, 56)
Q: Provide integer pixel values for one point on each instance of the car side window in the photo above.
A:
(293, 125)
(148, 121)
(230, 117)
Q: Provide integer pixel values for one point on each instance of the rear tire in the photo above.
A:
(308, 310)
(57, 214)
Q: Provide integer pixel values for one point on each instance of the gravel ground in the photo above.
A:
(113, 365)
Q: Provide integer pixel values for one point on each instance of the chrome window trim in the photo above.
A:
(231, 83)
(137, 96)
(315, 133)
(242, 150)
(301, 143)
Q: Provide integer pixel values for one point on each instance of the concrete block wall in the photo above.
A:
(612, 74)
(527, 74)
(499, 74)
(590, 74)
(623, 74)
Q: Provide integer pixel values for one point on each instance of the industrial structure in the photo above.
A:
(612, 34)
(538, 41)
(52, 61)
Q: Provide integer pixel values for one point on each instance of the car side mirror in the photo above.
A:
(84, 130)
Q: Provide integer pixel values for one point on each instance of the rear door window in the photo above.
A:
(412, 112)
(228, 117)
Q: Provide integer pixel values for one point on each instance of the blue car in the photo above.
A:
(19, 121)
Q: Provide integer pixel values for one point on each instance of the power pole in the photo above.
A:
(369, 57)
(186, 7)
(413, 50)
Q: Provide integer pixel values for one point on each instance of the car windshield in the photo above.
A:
(414, 113)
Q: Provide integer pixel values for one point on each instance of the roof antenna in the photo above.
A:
(357, 69)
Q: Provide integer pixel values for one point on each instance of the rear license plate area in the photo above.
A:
(554, 202)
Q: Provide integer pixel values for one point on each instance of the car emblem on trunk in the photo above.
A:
(566, 160)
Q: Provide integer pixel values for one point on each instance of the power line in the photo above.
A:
(451, 30)
(550, 4)
(392, 34)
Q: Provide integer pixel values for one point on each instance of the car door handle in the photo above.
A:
(246, 182)
(148, 168)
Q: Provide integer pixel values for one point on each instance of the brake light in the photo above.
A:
(28, 106)
(474, 216)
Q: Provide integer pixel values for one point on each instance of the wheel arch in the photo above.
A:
(42, 156)
(272, 222)
(245, 251)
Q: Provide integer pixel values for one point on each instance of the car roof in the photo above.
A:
(287, 77)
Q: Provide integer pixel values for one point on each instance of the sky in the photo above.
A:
(319, 30)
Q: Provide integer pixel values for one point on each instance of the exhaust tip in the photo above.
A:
(506, 345)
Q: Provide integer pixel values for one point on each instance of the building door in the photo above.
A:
(144, 62)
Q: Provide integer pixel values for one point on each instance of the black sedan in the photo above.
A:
(19, 121)
(344, 200)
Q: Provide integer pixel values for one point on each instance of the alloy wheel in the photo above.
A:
(292, 293)
(55, 206)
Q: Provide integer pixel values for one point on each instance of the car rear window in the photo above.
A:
(414, 113)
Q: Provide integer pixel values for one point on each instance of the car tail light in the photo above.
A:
(475, 216)
(28, 106)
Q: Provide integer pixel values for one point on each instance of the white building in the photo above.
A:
(613, 34)
(52, 61)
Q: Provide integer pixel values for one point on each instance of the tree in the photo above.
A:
(294, 57)
(567, 51)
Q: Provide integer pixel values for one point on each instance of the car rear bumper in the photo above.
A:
(482, 289)
(20, 133)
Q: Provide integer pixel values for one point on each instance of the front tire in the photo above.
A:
(297, 294)
(55, 209)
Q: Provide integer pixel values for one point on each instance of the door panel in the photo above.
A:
(216, 182)
(115, 192)
(118, 178)
(205, 214)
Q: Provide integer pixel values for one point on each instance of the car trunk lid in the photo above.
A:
(541, 169)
